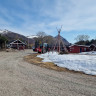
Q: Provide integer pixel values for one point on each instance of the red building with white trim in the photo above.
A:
(18, 44)
(78, 48)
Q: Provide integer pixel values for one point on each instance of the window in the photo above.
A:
(84, 49)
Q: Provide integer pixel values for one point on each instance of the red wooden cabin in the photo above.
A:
(18, 44)
(78, 48)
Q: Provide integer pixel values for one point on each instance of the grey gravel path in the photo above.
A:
(19, 78)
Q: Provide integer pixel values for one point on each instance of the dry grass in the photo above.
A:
(33, 59)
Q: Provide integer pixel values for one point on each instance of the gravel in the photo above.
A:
(19, 78)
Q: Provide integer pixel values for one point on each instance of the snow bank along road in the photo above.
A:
(77, 62)
(19, 78)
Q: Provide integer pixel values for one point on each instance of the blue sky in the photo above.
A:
(28, 17)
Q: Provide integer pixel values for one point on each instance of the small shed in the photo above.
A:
(78, 48)
(18, 44)
(92, 47)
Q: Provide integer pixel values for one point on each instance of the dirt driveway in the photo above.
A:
(19, 78)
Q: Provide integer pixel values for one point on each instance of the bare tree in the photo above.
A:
(50, 40)
(82, 38)
(41, 34)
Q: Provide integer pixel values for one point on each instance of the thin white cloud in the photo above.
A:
(80, 16)
(72, 14)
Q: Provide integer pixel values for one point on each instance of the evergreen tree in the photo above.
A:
(3, 40)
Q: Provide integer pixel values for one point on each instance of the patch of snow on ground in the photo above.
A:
(84, 63)
(89, 53)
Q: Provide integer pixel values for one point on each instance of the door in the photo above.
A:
(80, 50)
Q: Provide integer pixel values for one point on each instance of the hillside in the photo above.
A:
(13, 36)
(64, 40)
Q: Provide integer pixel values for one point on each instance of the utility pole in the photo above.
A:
(28, 41)
(5, 44)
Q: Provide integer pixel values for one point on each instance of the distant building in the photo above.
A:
(17, 44)
(92, 47)
(81, 48)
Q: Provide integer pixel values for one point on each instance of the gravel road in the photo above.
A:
(19, 78)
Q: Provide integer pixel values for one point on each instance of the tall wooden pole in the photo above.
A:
(5, 44)
(59, 30)
(59, 40)
(28, 41)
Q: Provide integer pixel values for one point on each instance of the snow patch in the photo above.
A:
(4, 31)
(32, 36)
(88, 53)
(84, 63)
